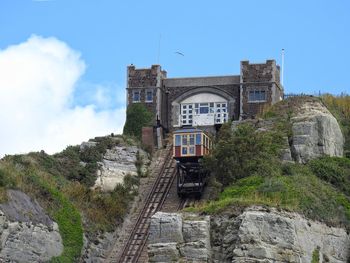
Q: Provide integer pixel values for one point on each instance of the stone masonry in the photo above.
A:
(163, 96)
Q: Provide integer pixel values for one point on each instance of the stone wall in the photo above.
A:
(264, 76)
(143, 80)
(169, 92)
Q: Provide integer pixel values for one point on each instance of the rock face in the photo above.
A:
(27, 234)
(315, 132)
(179, 238)
(94, 251)
(117, 163)
(260, 235)
(255, 234)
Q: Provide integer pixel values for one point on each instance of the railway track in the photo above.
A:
(154, 202)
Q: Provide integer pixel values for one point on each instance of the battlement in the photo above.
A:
(145, 77)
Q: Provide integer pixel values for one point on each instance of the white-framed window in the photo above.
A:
(216, 109)
(221, 115)
(257, 95)
(136, 95)
(186, 114)
(149, 95)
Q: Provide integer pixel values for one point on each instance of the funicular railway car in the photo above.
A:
(189, 147)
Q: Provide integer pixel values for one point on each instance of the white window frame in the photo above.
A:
(257, 99)
(221, 114)
(219, 111)
(187, 114)
(133, 95)
(146, 97)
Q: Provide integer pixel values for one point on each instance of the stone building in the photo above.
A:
(204, 101)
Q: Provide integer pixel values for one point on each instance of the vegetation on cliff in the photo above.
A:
(137, 116)
(61, 184)
(246, 164)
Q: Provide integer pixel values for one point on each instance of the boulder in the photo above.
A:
(117, 163)
(163, 252)
(196, 232)
(315, 132)
(165, 228)
(194, 251)
(179, 237)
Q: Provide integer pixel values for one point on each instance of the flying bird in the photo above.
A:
(179, 53)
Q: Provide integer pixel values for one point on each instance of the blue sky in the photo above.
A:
(214, 37)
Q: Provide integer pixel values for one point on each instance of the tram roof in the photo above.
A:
(188, 130)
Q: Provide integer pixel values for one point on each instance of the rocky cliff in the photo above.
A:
(179, 238)
(117, 163)
(255, 234)
(315, 132)
(27, 234)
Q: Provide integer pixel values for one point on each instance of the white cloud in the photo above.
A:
(37, 83)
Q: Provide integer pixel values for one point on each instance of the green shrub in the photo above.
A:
(316, 255)
(334, 170)
(302, 192)
(6, 180)
(137, 116)
(244, 152)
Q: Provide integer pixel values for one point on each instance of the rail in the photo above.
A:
(154, 201)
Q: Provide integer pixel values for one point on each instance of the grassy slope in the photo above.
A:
(320, 190)
(61, 184)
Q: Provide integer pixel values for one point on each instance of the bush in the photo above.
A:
(137, 116)
(334, 170)
(244, 152)
(302, 192)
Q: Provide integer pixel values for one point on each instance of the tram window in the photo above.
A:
(184, 139)
(198, 139)
(177, 140)
(184, 150)
(191, 139)
(191, 150)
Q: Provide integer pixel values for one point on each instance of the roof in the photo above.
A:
(201, 81)
(185, 130)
